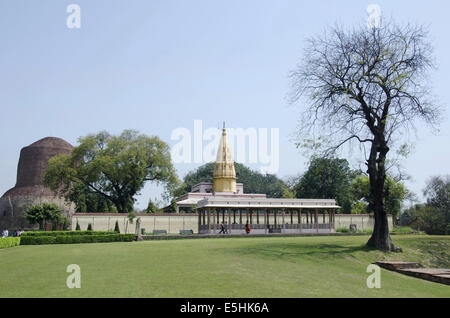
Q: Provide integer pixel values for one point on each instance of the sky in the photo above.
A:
(157, 66)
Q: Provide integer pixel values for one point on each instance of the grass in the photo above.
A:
(395, 230)
(229, 267)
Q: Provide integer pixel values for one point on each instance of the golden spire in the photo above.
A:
(224, 173)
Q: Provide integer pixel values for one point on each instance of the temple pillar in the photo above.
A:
(199, 220)
(265, 221)
(229, 222)
(275, 217)
(214, 221)
(300, 220)
(209, 221)
(329, 220)
(316, 219)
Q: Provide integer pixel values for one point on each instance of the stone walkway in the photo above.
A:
(438, 275)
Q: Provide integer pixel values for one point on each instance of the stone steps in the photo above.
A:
(438, 275)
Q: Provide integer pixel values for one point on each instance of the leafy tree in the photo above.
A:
(114, 167)
(288, 193)
(365, 86)
(359, 207)
(426, 218)
(327, 178)
(172, 207)
(254, 182)
(437, 192)
(434, 218)
(39, 214)
(151, 208)
(395, 194)
(87, 200)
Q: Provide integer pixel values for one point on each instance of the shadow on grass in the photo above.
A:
(292, 251)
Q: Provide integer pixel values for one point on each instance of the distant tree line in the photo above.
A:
(433, 217)
(325, 178)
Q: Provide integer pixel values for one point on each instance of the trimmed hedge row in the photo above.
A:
(65, 233)
(6, 242)
(74, 239)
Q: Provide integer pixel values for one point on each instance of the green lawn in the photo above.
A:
(233, 267)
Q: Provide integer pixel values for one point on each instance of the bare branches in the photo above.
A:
(364, 84)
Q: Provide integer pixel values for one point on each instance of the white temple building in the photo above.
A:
(223, 203)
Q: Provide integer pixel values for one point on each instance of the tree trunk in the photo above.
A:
(380, 238)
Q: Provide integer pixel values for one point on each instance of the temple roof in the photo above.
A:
(217, 202)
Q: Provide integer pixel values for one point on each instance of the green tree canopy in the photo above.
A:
(38, 214)
(114, 167)
(87, 200)
(151, 208)
(437, 192)
(424, 217)
(395, 193)
(327, 178)
(254, 182)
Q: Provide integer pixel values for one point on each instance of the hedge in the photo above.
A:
(65, 233)
(73, 239)
(6, 242)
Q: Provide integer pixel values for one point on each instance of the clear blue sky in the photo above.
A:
(157, 65)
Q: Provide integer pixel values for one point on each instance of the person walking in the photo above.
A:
(222, 229)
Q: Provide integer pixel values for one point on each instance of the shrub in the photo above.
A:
(403, 230)
(77, 227)
(116, 227)
(6, 242)
(74, 239)
(347, 230)
(426, 218)
(63, 233)
(89, 228)
(37, 240)
(433, 221)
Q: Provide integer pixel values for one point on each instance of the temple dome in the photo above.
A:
(34, 158)
(33, 162)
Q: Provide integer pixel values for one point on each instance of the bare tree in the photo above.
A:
(365, 86)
